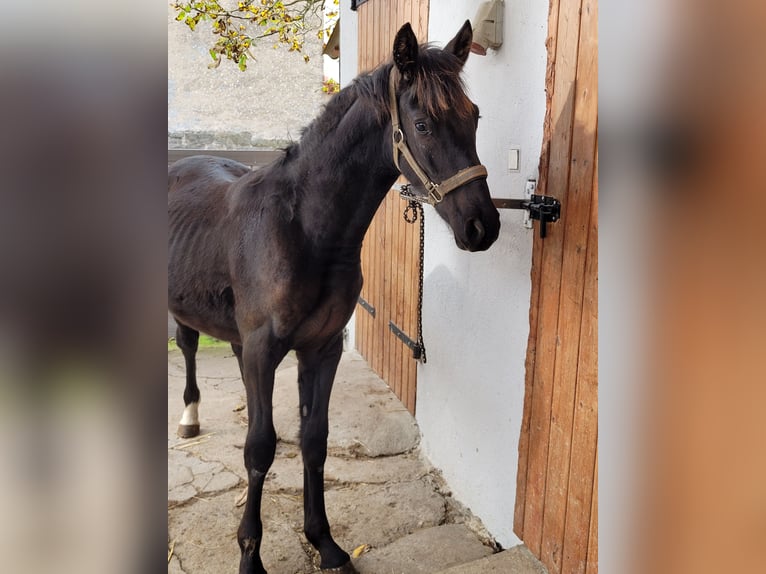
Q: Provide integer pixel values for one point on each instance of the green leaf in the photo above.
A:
(242, 62)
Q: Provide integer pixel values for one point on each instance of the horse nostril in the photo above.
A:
(474, 231)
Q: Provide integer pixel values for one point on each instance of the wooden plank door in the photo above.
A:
(390, 253)
(556, 497)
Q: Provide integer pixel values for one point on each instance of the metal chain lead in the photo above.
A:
(412, 212)
(421, 344)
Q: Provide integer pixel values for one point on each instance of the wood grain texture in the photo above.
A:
(550, 285)
(556, 496)
(581, 487)
(390, 251)
(570, 313)
(538, 249)
(591, 566)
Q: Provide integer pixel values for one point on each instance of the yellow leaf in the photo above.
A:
(359, 550)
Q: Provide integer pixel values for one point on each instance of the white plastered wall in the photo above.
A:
(349, 41)
(476, 305)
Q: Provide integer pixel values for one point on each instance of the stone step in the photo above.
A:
(516, 560)
(426, 551)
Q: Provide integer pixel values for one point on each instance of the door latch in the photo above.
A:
(544, 208)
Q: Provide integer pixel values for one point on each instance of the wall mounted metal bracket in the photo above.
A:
(543, 208)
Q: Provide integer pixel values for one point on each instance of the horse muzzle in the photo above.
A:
(478, 233)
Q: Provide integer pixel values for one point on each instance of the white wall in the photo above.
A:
(476, 305)
(267, 105)
(349, 44)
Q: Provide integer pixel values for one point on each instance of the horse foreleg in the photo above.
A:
(187, 340)
(316, 372)
(260, 356)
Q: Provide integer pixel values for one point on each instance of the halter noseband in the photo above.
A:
(436, 191)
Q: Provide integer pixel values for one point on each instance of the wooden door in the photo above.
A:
(556, 504)
(390, 253)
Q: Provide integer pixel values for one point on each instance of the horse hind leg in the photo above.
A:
(187, 340)
(316, 372)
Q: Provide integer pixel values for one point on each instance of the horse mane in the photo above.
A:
(369, 89)
(437, 86)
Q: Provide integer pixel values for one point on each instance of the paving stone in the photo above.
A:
(374, 501)
(179, 472)
(225, 444)
(516, 560)
(201, 467)
(281, 551)
(174, 566)
(401, 468)
(180, 478)
(286, 474)
(220, 481)
(379, 514)
(365, 417)
(286, 404)
(424, 552)
(180, 494)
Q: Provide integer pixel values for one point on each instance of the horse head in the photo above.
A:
(434, 135)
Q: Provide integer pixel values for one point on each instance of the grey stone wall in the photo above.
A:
(223, 108)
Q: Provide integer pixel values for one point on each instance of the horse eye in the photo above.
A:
(421, 127)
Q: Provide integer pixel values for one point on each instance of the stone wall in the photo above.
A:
(223, 108)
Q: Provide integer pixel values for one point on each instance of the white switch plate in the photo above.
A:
(513, 159)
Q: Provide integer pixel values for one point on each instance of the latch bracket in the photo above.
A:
(544, 208)
(416, 349)
(366, 306)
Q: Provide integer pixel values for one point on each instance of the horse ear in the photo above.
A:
(406, 51)
(460, 45)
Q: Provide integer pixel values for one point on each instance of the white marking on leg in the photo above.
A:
(305, 411)
(191, 414)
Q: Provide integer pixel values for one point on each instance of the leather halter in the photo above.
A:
(436, 191)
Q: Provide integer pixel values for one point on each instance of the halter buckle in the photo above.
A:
(433, 192)
(398, 136)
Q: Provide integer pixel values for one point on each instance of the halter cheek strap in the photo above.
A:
(435, 191)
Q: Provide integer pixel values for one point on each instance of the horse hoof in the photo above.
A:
(188, 431)
(347, 568)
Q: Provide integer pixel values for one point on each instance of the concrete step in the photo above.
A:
(516, 560)
(427, 551)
